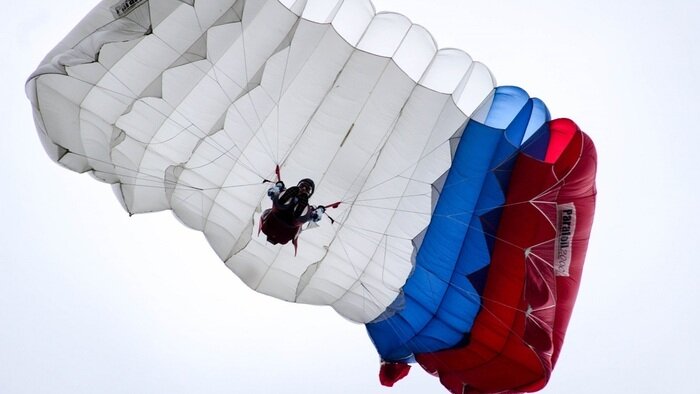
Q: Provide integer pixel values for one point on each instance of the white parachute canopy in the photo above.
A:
(190, 105)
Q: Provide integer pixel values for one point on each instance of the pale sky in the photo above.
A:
(95, 301)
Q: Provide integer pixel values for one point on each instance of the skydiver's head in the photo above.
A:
(306, 186)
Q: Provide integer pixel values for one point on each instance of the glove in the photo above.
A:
(274, 191)
(318, 213)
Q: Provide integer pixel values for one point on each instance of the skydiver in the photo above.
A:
(290, 210)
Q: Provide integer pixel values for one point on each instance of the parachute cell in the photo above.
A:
(464, 210)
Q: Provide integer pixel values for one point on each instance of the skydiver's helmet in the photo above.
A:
(308, 185)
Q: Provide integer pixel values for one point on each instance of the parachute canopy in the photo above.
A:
(464, 210)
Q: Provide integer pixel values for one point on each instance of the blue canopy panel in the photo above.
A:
(441, 298)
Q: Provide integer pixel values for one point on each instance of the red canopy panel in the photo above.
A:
(535, 273)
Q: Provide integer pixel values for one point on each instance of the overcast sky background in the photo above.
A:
(92, 301)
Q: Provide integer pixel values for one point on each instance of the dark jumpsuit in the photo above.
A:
(290, 210)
